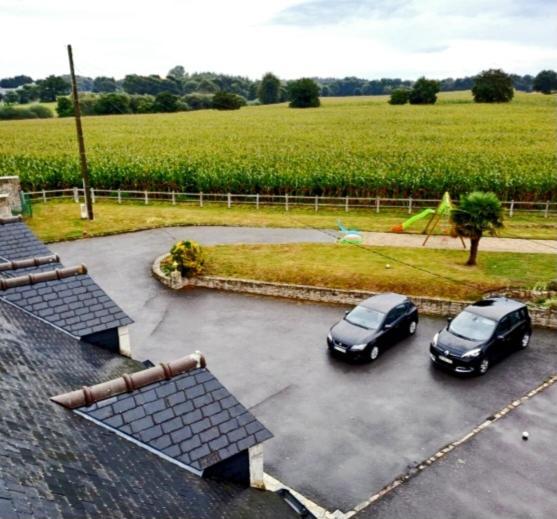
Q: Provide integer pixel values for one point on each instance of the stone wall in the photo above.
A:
(426, 305)
(11, 186)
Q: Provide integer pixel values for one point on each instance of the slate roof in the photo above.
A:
(191, 418)
(77, 305)
(56, 464)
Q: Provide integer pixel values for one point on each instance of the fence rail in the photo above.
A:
(347, 203)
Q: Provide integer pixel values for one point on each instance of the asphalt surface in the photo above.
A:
(496, 474)
(342, 431)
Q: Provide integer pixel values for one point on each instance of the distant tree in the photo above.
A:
(325, 92)
(269, 89)
(546, 81)
(424, 92)
(27, 93)
(103, 84)
(142, 104)
(11, 97)
(64, 106)
(303, 93)
(227, 101)
(198, 101)
(477, 213)
(493, 86)
(112, 104)
(207, 86)
(400, 96)
(15, 82)
(166, 102)
(177, 72)
(52, 87)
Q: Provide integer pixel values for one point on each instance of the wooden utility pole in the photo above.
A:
(80, 142)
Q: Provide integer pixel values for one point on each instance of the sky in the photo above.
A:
(292, 38)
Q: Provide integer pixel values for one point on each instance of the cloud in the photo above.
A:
(326, 12)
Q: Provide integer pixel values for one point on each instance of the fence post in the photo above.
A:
(546, 212)
(511, 209)
(286, 202)
(409, 205)
(44, 196)
(75, 195)
(346, 204)
(92, 195)
(377, 204)
(119, 196)
(146, 195)
(316, 203)
(173, 198)
(201, 199)
(229, 200)
(257, 201)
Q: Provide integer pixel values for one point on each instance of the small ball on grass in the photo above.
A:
(525, 435)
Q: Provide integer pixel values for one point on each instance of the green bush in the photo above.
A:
(31, 112)
(399, 96)
(227, 101)
(113, 103)
(493, 86)
(186, 257)
(303, 93)
(424, 92)
(198, 101)
(142, 104)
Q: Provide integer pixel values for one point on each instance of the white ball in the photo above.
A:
(525, 435)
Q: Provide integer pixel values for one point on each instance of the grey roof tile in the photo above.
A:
(185, 419)
(55, 464)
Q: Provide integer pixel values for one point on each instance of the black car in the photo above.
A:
(372, 326)
(482, 334)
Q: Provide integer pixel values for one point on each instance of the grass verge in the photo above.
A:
(365, 268)
(59, 220)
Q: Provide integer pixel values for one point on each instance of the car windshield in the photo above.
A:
(365, 317)
(472, 326)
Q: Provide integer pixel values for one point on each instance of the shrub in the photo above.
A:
(424, 92)
(186, 257)
(64, 107)
(41, 111)
(493, 86)
(142, 104)
(268, 91)
(31, 112)
(198, 101)
(399, 96)
(228, 101)
(545, 82)
(108, 104)
(303, 93)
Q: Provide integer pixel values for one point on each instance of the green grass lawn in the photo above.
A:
(59, 220)
(365, 268)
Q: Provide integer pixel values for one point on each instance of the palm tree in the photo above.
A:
(477, 213)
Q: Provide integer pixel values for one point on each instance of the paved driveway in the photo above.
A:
(341, 431)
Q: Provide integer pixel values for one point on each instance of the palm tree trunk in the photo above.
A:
(474, 244)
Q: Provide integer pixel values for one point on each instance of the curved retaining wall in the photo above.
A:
(426, 305)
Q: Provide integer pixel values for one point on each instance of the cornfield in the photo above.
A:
(358, 146)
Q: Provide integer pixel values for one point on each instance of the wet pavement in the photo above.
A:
(342, 431)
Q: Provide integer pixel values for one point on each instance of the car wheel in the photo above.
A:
(373, 352)
(525, 340)
(483, 367)
(412, 327)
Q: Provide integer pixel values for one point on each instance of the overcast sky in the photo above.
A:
(292, 38)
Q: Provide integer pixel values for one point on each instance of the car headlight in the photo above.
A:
(435, 339)
(472, 353)
(330, 336)
(359, 347)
